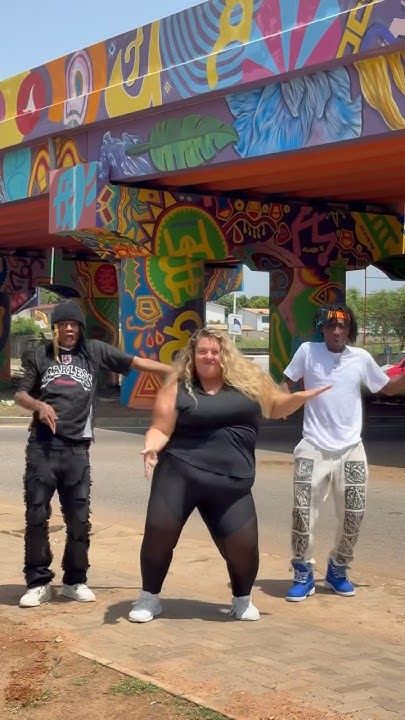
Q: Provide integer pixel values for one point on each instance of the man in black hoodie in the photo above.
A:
(59, 387)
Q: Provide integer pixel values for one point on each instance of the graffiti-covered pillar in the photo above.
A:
(295, 296)
(161, 303)
(101, 318)
(102, 323)
(5, 320)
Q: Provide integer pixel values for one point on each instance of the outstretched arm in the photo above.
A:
(286, 403)
(164, 418)
(394, 386)
(146, 365)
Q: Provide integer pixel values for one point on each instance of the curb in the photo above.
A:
(14, 420)
(195, 700)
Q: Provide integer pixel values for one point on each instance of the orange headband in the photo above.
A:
(338, 315)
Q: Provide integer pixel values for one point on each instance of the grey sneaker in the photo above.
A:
(36, 596)
(145, 608)
(79, 592)
(243, 609)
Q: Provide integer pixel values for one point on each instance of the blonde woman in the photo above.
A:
(200, 450)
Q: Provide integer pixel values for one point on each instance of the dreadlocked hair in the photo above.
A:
(236, 370)
(55, 344)
(329, 313)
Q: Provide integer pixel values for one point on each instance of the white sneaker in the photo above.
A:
(145, 608)
(36, 596)
(243, 609)
(79, 592)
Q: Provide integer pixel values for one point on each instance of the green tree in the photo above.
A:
(24, 326)
(398, 316)
(227, 301)
(48, 297)
(381, 308)
(242, 301)
(355, 301)
(259, 301)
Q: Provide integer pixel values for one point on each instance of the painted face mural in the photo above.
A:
(79, 84)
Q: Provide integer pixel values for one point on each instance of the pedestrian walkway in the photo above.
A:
(328, 657)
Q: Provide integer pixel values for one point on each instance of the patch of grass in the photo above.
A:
(133, 686)
(83, 679)
(188, 710)
(79, 681)
(183, 708)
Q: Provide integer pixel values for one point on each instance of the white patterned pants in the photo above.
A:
(317, 472)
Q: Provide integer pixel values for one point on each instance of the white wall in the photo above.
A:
(214, 313)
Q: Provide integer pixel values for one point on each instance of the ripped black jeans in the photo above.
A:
(64, 467)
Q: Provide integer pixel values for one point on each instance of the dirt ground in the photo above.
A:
(41, 678)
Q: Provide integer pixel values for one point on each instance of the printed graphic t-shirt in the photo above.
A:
(70, 386)
(333, 420)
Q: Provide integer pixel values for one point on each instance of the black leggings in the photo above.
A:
(67, 470)
(225, 504)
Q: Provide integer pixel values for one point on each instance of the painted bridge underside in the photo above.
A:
(264, 132)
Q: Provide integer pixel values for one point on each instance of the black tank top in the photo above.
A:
(216, 432)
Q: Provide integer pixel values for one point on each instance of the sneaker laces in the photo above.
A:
(339, 571)
(301, 576)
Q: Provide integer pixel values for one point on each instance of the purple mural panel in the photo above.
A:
(331, 106)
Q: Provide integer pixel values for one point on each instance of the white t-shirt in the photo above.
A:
(333, 420)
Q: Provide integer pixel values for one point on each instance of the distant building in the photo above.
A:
(256, 318)
(214, 313)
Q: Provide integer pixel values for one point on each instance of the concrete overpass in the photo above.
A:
(263, 132)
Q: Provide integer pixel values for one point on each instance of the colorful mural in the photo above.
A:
(281, 76)
(95, 284)
(5, 319)
(161, 304)
(220, 281)
(170, 236)
(25, 172)
(129, 222)
(18, 279)
(330, 106)
(214, 46)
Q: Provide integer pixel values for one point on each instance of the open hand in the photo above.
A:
(47, 415)
(150, 459)
(313, 392)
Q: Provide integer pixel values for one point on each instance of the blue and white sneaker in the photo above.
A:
(337, 580)
(303, 585)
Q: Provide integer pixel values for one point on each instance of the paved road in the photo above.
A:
(120, 493)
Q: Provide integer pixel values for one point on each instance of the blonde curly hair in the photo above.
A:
(236, 370)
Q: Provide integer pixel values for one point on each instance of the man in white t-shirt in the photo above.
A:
(331, 455)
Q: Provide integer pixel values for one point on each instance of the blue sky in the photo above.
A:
(31, 33)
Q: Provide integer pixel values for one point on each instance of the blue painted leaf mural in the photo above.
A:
(306, 111)
(178, 144)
